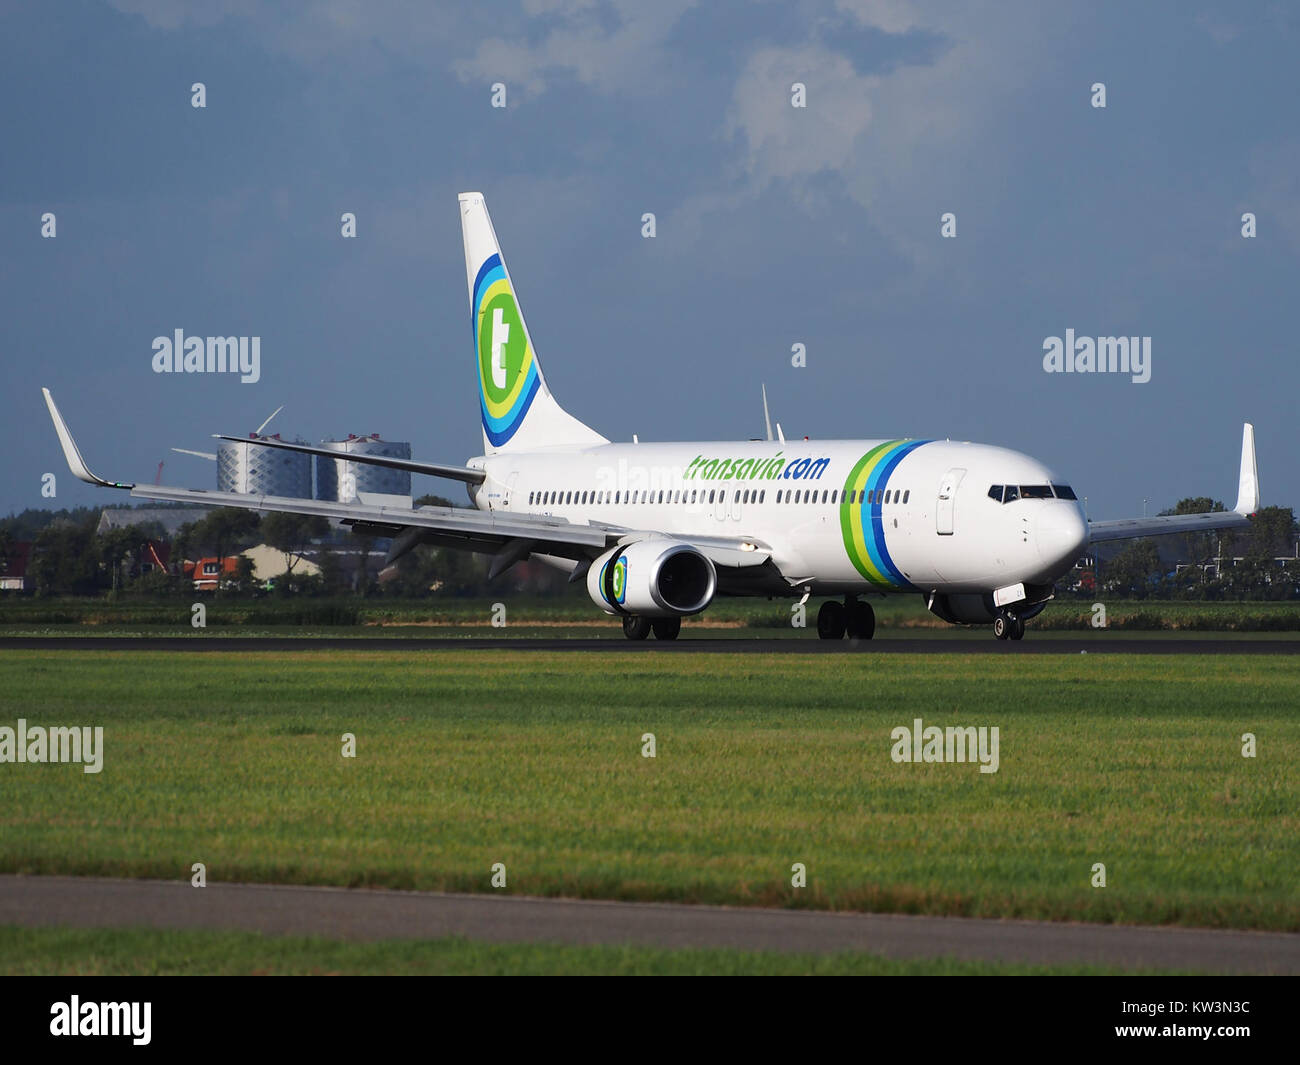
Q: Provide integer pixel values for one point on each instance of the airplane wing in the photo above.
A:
(510, 537)
(1236, 518)
(456, 473)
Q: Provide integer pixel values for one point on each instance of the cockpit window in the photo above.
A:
(1011, 492)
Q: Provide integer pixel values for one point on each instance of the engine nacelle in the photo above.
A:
(652, 578)
(978, 608)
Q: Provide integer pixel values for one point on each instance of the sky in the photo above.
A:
(775, 225)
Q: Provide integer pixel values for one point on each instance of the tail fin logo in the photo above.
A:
(508, 378)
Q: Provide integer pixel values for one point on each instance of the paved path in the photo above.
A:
(366, 915)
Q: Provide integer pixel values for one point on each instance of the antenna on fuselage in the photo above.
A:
(767, 418)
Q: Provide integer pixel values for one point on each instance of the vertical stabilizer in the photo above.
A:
(517, 409)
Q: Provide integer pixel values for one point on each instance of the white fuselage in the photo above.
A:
(839, 516)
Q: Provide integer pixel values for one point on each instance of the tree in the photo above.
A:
(65, 560)
(1135, 570)
(1201, 546)
(223, 532)
(1272, 534)
(291, 533)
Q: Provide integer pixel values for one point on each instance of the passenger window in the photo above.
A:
(778, 495)
(906, 494)
(692, 495)
(762, 495)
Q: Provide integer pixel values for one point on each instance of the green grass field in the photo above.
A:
(534, 759)
(148, 952)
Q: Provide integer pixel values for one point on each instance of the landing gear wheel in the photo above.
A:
(830, 621)
(666, 628)
(861, 621)
(1001, 626)
(636, 628)
(1017, 629)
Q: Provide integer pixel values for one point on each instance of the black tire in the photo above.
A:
(636, 628)
(666, 628)
(831, 621)
(1000, 626)
(1018, 629)
(861, 621)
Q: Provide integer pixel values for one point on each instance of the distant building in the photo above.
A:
(271, 471)
(340, 481)
(207, 572)
(153, 557)
(13, 567)
(268, 563)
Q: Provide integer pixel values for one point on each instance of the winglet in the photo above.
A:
(1248, 483)
(70, 451)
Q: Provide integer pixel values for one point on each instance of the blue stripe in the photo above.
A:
(877, 483)
(492, 261)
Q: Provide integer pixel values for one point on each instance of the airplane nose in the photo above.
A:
(1061, 535)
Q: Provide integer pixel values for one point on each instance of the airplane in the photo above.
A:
(657, 531)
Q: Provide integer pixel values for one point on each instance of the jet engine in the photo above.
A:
(652, 578)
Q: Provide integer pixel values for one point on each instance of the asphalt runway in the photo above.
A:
(734, 645)
(88, 902)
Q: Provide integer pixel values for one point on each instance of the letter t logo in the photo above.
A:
(500, 337)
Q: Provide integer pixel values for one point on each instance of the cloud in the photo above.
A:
(614, 48)
(782, 141)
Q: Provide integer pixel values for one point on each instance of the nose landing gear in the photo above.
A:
(1006, 626)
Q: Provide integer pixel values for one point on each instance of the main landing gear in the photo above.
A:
(852, 618)
(1006, 626)
(638, 628)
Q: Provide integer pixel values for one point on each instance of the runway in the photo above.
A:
(354, 914)
(188, 644)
